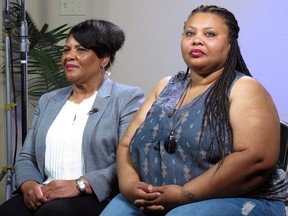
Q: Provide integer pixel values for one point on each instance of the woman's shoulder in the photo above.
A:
(250, 93)
(169, 83)
(246, 83)
(126, 92)
(125, 87)
(117, 87)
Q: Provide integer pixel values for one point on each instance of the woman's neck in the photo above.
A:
(199, 80)
(82, 92)
(197, 86)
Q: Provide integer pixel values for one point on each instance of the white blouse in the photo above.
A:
(64, 156)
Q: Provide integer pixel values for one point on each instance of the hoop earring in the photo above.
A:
(108, 73)
(102, 69)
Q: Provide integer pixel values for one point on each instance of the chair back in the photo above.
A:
(284, 145)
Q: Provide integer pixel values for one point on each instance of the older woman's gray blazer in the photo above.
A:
(114, 108)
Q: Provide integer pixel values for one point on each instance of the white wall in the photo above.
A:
(153, 29)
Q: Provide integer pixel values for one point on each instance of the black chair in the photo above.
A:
(284, 145)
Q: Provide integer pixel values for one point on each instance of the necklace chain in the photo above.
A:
(170, 143)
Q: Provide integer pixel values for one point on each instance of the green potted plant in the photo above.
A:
(45, 72)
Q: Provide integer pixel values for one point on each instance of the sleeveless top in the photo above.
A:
(157, 167)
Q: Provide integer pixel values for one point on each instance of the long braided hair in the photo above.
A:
(216, 112)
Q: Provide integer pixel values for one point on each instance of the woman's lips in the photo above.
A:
(70, 66)
(196, 53)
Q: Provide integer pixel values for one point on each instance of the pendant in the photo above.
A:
(170, 143)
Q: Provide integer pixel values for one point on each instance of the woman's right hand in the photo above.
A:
(141, 190)
(134, 189)
(32, 193)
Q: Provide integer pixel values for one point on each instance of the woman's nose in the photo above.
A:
(197, 40)
(70, 55)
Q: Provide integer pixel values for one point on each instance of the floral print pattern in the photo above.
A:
(157, 167)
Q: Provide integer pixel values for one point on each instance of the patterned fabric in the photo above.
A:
(157, 167)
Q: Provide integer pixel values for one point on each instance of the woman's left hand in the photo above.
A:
(57, 189)
(171, 196)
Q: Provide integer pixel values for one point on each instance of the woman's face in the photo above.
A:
(205, 43)
(81, 65)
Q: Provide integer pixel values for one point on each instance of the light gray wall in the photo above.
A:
(153, 29)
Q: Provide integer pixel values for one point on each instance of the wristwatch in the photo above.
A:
(80, 185)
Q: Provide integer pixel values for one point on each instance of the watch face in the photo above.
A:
(81, 185)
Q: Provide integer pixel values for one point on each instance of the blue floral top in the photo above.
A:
(156, 166)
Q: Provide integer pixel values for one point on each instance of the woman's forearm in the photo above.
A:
(223, 181)
(125, 169)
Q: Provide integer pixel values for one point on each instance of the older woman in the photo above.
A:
(67, 164)
(205, 142)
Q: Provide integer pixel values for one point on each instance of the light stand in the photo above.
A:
(24, 92)
(9, 106)
(24, 68)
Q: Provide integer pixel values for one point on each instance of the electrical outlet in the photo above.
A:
(72, 7)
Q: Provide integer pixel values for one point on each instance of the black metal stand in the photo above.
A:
(9, 169)
(24, 69)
